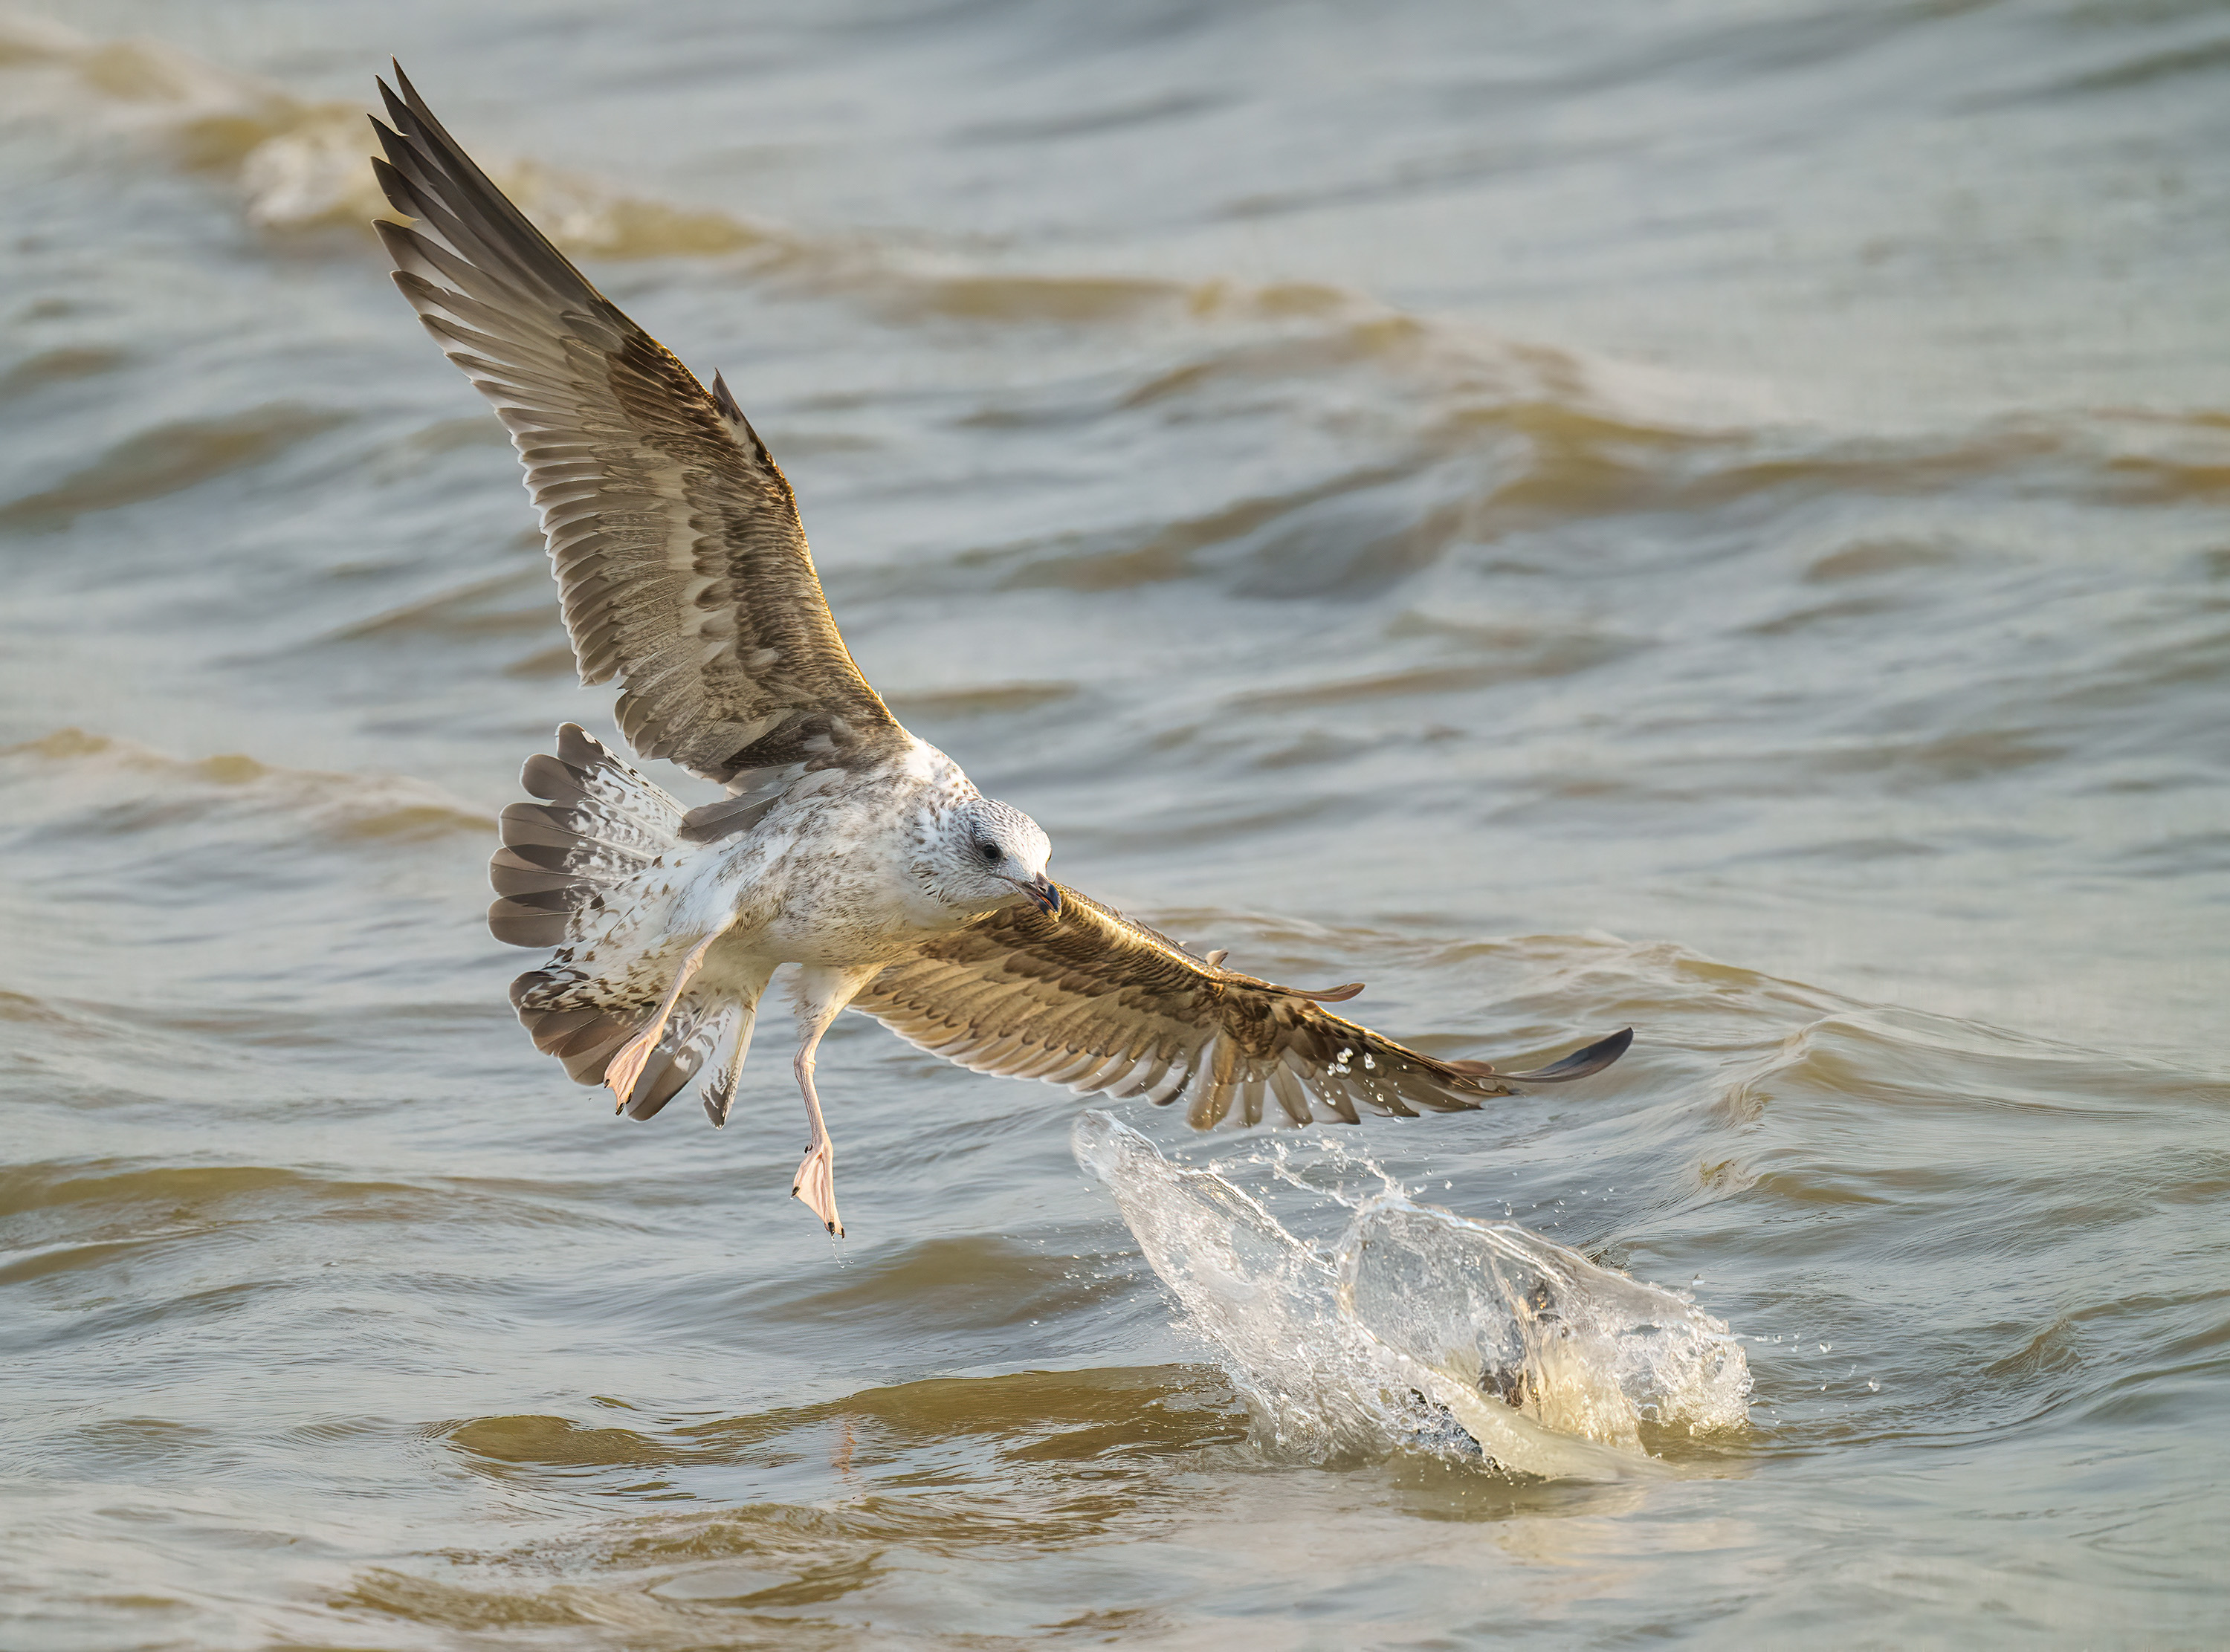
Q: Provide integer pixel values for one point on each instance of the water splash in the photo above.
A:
(1418, 1329)
(1509, 1315)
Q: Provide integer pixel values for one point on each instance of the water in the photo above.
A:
(1418, 1327)
(1709, 517)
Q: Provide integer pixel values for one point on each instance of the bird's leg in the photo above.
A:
(821, 995)
(633, 1056)
(720, 1095)
(816, 1172)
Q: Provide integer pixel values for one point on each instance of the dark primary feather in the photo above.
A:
(681, 563)
(1097, 1002)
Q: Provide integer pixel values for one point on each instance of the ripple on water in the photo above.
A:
(159, 462)
(332, 1315)
(72, 783)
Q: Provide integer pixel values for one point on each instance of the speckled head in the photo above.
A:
(991, 855)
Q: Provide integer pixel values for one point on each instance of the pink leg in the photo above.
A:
(822, 993)
(633, 1056)
(816, 1172)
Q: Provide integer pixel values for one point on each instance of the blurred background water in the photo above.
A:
(1707, 516)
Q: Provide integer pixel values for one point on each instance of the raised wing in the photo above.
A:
(675, 538)
(1095, 1001)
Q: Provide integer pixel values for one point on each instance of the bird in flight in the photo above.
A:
(843, 845)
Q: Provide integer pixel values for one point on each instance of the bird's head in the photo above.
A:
(989, 855)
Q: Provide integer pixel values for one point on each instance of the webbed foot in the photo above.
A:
(816, 1185)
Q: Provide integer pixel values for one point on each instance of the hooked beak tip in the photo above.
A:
(1046, 893)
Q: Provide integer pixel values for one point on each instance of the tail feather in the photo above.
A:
(584, 1036)
(600, 824)
(599, 828)
(698, 1026)
(529, 869)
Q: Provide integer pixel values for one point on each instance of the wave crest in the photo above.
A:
(301, 165)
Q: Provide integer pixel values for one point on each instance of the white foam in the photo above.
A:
(1417, 1320)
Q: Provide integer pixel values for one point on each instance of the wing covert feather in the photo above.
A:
(682, 564)
(1100, 1002)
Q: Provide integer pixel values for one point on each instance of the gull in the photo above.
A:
(844, 846)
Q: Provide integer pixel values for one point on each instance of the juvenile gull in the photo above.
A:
(845, 847)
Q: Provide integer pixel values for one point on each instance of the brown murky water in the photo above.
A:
(1716, 517)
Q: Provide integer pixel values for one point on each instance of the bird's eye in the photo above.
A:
(989, 851)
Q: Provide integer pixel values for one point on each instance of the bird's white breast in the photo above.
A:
(829, 877)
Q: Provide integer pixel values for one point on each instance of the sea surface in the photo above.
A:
(1712, 517)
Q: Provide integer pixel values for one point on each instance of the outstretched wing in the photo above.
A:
(1095, 1001)
(679, 555)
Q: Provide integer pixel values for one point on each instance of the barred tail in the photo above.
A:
(600, 825)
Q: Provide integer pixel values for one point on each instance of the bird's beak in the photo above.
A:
(1045, 893)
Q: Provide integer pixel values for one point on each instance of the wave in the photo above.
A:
(300, 164)
(170, 459)
(1064, 1457)
(95, 785)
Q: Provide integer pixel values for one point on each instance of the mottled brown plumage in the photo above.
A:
(681, 566)
(1101, 1003)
